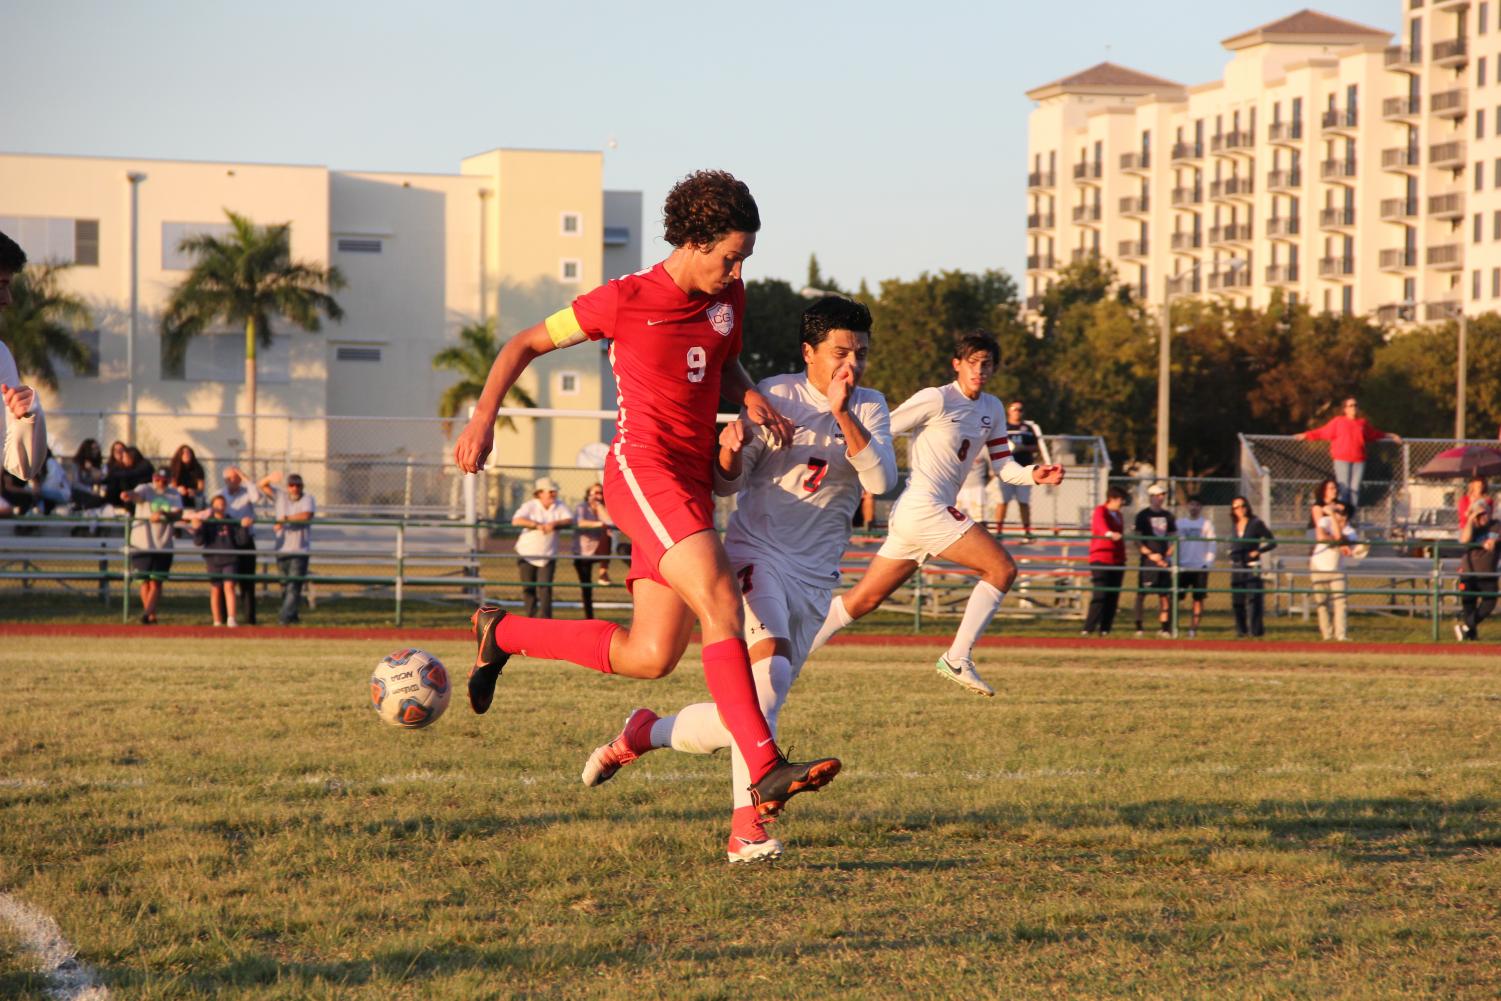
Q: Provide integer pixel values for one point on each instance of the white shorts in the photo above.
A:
(971, 501)
(920, 531)
(1022, 494)
(779, 606)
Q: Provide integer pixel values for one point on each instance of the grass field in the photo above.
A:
(227, 819)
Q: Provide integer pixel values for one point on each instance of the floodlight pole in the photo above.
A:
(1459, 389)
(1164, 370)
(135, 178)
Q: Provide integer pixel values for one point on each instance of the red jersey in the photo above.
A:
(667, 348)
(1347, 437)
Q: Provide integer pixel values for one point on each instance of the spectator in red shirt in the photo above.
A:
(1476, 489)
(1348, 435)
(1107, 562)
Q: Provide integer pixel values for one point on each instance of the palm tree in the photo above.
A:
(40, 324)
(246, 277)
(471, 358)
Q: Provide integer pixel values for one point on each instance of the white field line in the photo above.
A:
(67, 978)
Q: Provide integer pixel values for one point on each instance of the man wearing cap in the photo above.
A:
(295, 510)
(239, 503)
(1155, 527)
(537, 545)
(157, 507)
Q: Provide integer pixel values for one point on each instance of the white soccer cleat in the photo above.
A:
(963, 673)
(627, 746)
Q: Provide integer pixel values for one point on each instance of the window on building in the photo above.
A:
(1479, 175)
(1496, 169)
(359, 244)
(1475, 284)
(173, 233)
(1495, 283)
(1479, 227)
(572, 224)
(357, 352)
(1347, 300)
(569, 269)
(1496, 225)
(1409, 289)
(1479, 123)
(1481, 16)
(220, 357)
(63, 241)
(1480, 72)
(568, 383)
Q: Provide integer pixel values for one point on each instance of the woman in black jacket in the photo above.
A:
(1251, 539)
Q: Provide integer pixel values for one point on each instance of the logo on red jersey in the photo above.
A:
(722, 318)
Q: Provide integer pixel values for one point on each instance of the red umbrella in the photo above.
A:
(1467, 460)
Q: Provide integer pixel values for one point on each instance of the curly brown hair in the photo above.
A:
(707, 204)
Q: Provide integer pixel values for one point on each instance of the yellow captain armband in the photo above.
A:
(563, 327)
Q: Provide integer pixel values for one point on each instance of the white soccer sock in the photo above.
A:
(697, 729)
(837, 619)
(774, 677)
(983, 601)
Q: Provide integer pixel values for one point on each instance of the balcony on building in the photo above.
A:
(1447, 205)
(1133, 248)
(1188, 151)
(1398, 259)
(1400, 158)
(1395, 209)
(1447, 154)
(1135, 205)
(1040, 220)
(1336, 267)
(1183, 197)
(1397, 312)
(1337, 170)
(1453, 52)
(1281, 180)
(1081, 254)
(1283, 227)
(1231, 187)
(1281, 274)
(1336, 218)
(1231, 278)
(1040, 262)
(1395, 109)
(1444, 309)
(1038, 179)
(1185, 283)
(1033, 303)
(1339, 119)
(1086, 213)
(1285, 133)
(1187, 241)
(1231, 233)
(1088, 171)
(1135, 163)
(1232, 142)
(1403, 57)
(1449, 103)
(1445, 256)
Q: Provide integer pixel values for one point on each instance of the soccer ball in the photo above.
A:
(409, 689)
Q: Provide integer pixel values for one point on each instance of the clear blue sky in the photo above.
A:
(888, 138)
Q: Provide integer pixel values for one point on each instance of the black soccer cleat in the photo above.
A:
(786, 779)
(489, 658)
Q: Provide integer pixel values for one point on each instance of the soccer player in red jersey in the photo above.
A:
(675, 336)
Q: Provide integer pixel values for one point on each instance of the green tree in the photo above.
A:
(773, 318)
(471, 358)
(40, 323)
(817, 279)
(244, 279)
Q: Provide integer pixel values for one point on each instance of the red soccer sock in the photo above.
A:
(728, 672)
(745, 823)
(585, 642)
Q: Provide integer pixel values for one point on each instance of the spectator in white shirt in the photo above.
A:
(1195, 557)
(24, 428)
(541, 517)
(1326, 569)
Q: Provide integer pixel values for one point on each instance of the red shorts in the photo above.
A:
(656, 509)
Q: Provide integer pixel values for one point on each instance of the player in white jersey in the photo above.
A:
(952, 423)
(786, 539)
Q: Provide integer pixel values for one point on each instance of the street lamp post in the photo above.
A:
(1459, 388)
(135, 178)
(1164, 370)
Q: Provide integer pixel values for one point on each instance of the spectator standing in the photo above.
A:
(1156, 527)
(1477, 570)
(88, 476)
(187, 476)
(1027, 445)
(157, 507)
(1107, 562)
(220, 535)
(1195, 557)
(591, 538)
(1324, 495)
(126, 470)
(1476, 489)
(239, 503)
(1347, 435)
(541, 517)
(1326, 569)
(295, 510)
(23, 429)
(1247, 594)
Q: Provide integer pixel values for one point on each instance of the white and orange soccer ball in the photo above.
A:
(410, 689)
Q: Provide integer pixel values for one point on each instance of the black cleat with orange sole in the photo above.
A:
(786, 779)
(489, 659)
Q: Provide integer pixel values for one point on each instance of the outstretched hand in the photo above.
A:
(1047, 476)
(761, 413)
(19, 400)
(474, 445)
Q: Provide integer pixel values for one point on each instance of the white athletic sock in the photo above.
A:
(774, 676)
(697, 729)
(837, 619)
(983, 601)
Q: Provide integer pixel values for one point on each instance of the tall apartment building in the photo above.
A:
(514, 235)
(1350, 173)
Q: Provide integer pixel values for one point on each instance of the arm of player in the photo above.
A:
(740, 450)
(875, 464)
(25, 429)
(921, 407)
(735, 385)
(478, 436)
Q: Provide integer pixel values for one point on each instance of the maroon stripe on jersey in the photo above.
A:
(995, 441)
(1000, 454)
